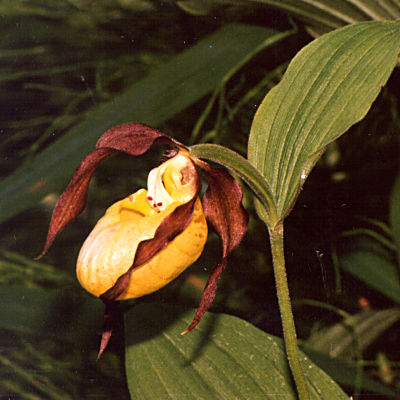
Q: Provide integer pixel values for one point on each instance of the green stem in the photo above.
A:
(285, 308)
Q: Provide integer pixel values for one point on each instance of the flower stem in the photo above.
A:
(285, 308)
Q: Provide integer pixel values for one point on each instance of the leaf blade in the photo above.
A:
(329, 86)
(223, 358)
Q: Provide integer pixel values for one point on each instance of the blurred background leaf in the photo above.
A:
(346, 373)
(374, 264)
(320, 16)
(49, 352)
(153, 100)
(394, 215)
(339, 340)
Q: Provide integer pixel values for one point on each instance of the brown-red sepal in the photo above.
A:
(132, 138)
(222, 205)
(72, 201)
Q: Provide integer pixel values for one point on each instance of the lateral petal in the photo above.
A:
(222, 204)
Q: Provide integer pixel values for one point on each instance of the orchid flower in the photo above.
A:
(147, 239)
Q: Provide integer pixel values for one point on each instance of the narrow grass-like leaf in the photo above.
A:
(223, 358)
(346, 374)
(337, 12)
(164, 93)
(339, 340)
(329, 86)
(394, 213)
(53, 314)
(369, 261)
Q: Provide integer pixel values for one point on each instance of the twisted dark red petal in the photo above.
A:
(222, 205)
(132, 138)
(112, 314)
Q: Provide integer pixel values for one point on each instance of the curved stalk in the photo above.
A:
(285, 308)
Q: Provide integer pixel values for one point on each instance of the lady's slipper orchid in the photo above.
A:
(147, 239)
(110, 248)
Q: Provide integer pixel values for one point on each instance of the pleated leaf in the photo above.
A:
(223, 358)
(329, 86)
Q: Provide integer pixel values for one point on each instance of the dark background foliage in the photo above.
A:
(63, 59)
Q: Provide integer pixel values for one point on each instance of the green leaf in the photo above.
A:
(394, 214)
(223, 358)
(163, 94)
(320, 16)
(339, 340)
(329, 86)
(370, 262)
(49, 341)
(346, 373)
(324, 15)
(56, 314)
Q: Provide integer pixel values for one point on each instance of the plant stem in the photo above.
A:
(285, 308)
